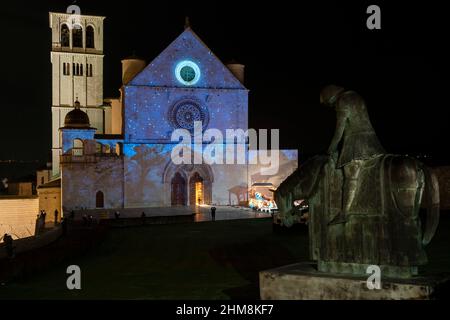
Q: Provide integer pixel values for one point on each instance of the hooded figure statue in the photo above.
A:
(359, 141)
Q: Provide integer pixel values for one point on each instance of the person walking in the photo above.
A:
(213, 213)
(85, 219)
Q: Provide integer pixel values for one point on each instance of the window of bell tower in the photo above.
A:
(90, 37)
(65, 36)
(77, 36)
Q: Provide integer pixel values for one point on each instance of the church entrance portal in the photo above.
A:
(196, 190)
(99, 200)
(188, 185)
(178, 194)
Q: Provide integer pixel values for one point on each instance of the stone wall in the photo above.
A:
(149, 171)
(49, 201)
(18, 216)
(20, 189)
(81, 180)
(34, 242)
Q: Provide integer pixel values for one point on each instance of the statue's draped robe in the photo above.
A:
(359, 139)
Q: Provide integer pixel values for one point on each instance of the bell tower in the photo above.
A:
(77, 73)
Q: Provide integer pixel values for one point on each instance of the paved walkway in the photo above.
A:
(201, 213)
(227, 213)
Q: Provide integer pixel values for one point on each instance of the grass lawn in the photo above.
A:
(209, 260)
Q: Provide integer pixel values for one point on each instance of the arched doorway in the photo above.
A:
(178, 193)
(196, 190)
(99, 200)
(201, 172)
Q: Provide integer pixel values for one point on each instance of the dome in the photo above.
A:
(76, 118)
(133, 57)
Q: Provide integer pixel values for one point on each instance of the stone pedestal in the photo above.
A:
(302, 281)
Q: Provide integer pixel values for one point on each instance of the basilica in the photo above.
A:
(115, 153)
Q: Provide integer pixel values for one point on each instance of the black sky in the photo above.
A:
(290, 51)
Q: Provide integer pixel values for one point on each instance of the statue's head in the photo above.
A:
(329, 94)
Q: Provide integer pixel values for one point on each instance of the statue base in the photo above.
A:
(302, 281)
(392, 272)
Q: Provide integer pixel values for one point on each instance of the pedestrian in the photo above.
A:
(9, 245)
(56, 216)
(213, 213)
(85, 219)
(64, 226)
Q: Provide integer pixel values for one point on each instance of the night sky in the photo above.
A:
(290, 52)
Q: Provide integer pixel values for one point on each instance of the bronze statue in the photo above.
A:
(359, 139)
(364, 203)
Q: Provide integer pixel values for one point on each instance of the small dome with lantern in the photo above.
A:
(77, 118)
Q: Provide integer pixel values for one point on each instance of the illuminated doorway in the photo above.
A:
(196, 190)
(199, 193)
(178, 194)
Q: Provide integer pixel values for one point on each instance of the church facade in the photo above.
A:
(118, 153)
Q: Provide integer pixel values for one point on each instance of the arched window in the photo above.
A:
(90, 37)
(99, 200)
(77, 36)
(77, 149)
(118, 148)
(78, 70)
(98, 147)
(65, 36)
(64, 69)
(107, 148)
(74, 71)
(81, 69)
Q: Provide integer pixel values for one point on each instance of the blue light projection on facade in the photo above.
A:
(187, 73)
(186, 111)
(171, 92)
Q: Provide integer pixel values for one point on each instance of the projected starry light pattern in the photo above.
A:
(186, 111)
(159, 100)
(187, 72)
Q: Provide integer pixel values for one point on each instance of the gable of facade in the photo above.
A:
(161, 72)
(185, 83)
